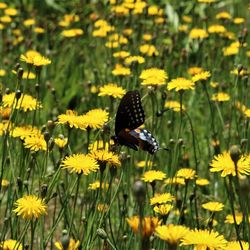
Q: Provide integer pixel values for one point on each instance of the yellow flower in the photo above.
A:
(73, 245)
(223, 162)
(202, 182)
(149, 49)
(95, 118)
(163, 209)
(26, 75)
(113, 90)
(10, 12)
(175, 180)
(216, 28)
(96, 145)
(121, 54)
(72, 120)
(186, 173)
(72, 32)
(35, 143)
(201, 76)
(39, 30)
(96, 185)
(235, 245)
(143, 164)
(223, 15)
(147, 37)
(2, 72)
(25, 102)
(80, 163)
(239, 20)
(148, 225)
(153, 77)
(195, 70)
(25, 131)
(5, 113)
(241, 72)
(187, 19)
(204, 239)
(3, 5)
(213, 206)
(196, 33)
(153, 175)
(220, 97)
(206, 1)
(120, 10)
(29, 22)
(30, 206)
(35, 59)
(174, 105)
(5, 126)
(132, 59)
(161, 198)
(105, 157)
(180, 84)
(5, 183)
(171, 233)
(230, 50)
(103, 208)
(119, 70)
(11, 244)
(5, 19)
(61, 142)
(230, 219)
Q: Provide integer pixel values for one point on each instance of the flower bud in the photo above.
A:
(101, 233)
(139, 191)
(235, 153)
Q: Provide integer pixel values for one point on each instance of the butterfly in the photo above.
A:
(129, 117)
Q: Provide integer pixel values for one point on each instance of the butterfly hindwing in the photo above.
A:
(130, 114)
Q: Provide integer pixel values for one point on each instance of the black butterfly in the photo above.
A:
(129, 117)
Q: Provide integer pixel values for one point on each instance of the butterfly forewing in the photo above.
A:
(130, 114)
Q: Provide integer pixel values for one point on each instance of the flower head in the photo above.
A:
(213, 206)
(235, 245)
(153, 175)
(163, 209)
(11, 245)
(73, 245)
(161, 198)
(202, 182)
(112, 90)
(220, 97)
(30, 206)
(80, 163)
(96, 185)
(201, 76)
(180, 84)
(149, 50)
(25, 131)
(120, 70)
(72, 119)
(198, 33)
(186, 173)
(153, 77)
(35, 143)
(96, 118)
(230, 218)
(61, 142)
(35, 58)
(174, 105)
(72, 32)
(175, 180)
(130, 59)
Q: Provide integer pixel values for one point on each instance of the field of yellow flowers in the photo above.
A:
(78, 167)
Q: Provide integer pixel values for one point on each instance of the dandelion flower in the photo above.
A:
(180, 84)
(175, 180)
(149, 50)
(213, 206)
(71, 119)
(5, 126)
(163, 209)
(5, 183)
(153, 175)
(171, 233)
(161, 198)
(120, 70)
(186, 173)
(230, 219)
(132, 59)
(35, 59)
(220, 97)
(121, 54)
(201, 76)
(61, 142)
(100, 144)
(216, 28)
(195, 70)
(80, 163)
(73, 245)
(26, 75)
(96, 185)
(143, 164)
(148, 225)
(112, 90)
(102, 207)
(196, 33)
(24, 131)
(30, 206)
(72, 32)
(202, 182)
(223, 15)
(11, 245)
(174, 105)
(235, 245)
(96, 118)
(2, 72)
(224, 163)
(204, 239)
(35, 143)
(206, 1)
(153, 77)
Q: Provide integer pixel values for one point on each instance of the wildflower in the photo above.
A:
(147, 37)
(96, 145)
(131, 59)
(161, 198)
(175, 180)
(163, 209)
(11, 245)
(148, 225)
(5, 183)
(30, 206)
(186, 173)
(153, 77)
(230, 219)
(5, 113)
(72, 32)
(112, 90)
(174, 105)
(223, 162)
(183, 28)
(5, 126)
(25, 131)
(187, 19)
(73, 245)
(80, 163)
(216, 28)
(71, 119)
(214, 84)
(242, 72)
(206, 1)
(153, 175)
(96, 185)
(223, 15)
(154, 10)
(119, 70)
(143, 164)
(35, 143)
(105, 157)
(220, 97)
(196, 33)
(35, 59)
(2, 72)
(171, 233)
(103, 207)
(26, 75)
(5, 19)
(121, 54)
(213, 206)
(149, 49)
(235, 245)
(10, 12)
(29, 22)
(25, 102)
(195, 70)
(39, 30)
(180, 84)
(204, 239)
(61, 142)
(95, 118)
(230, 51)
(202, 182)
(3, 5)
(201, 76)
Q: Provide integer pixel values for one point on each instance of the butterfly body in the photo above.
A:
(130, 116)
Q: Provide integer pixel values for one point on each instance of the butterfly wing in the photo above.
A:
(130, 114)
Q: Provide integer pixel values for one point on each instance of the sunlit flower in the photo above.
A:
(35, 59)
(183, 28)
(149, 50)
(80, 163)
(134, 59)
(174, 105)
(71, 119)
(224, 163)
(161, 198)
(143, 164)
(35, 143)
(113, 90)
(121, 54)
(171, 233)
(120, 70)
(5, 183)
(204, 239)
(96, 185)
(147, 37)
(99, 144)
(73, 245)
(39, 30)
(239, 20)
(25, 131)
(148, 225)
(154, 10)
(61, 142)
(223, 15)
(201, 76)
(213, 206)
(235, 245)
(216, 28)
(5, 126)
(2, 72)
(26, 75)
(25, 102)
(186, 173)
(230, 219)
(241, 72)
(5, 113)
(11, 245)
(180, 84)
(3, 5)
(202, 182)
(95, 118)
(175, 180)
(153, 175)
(214, 84)
(153, 77)
(29, 22)
(10, 12)
(220, 97)
(196, 33)
(6, 19)
(230, 50)
(72, 32)
(30, 206)
(105, 157)
(163, 209)
(195, 70)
